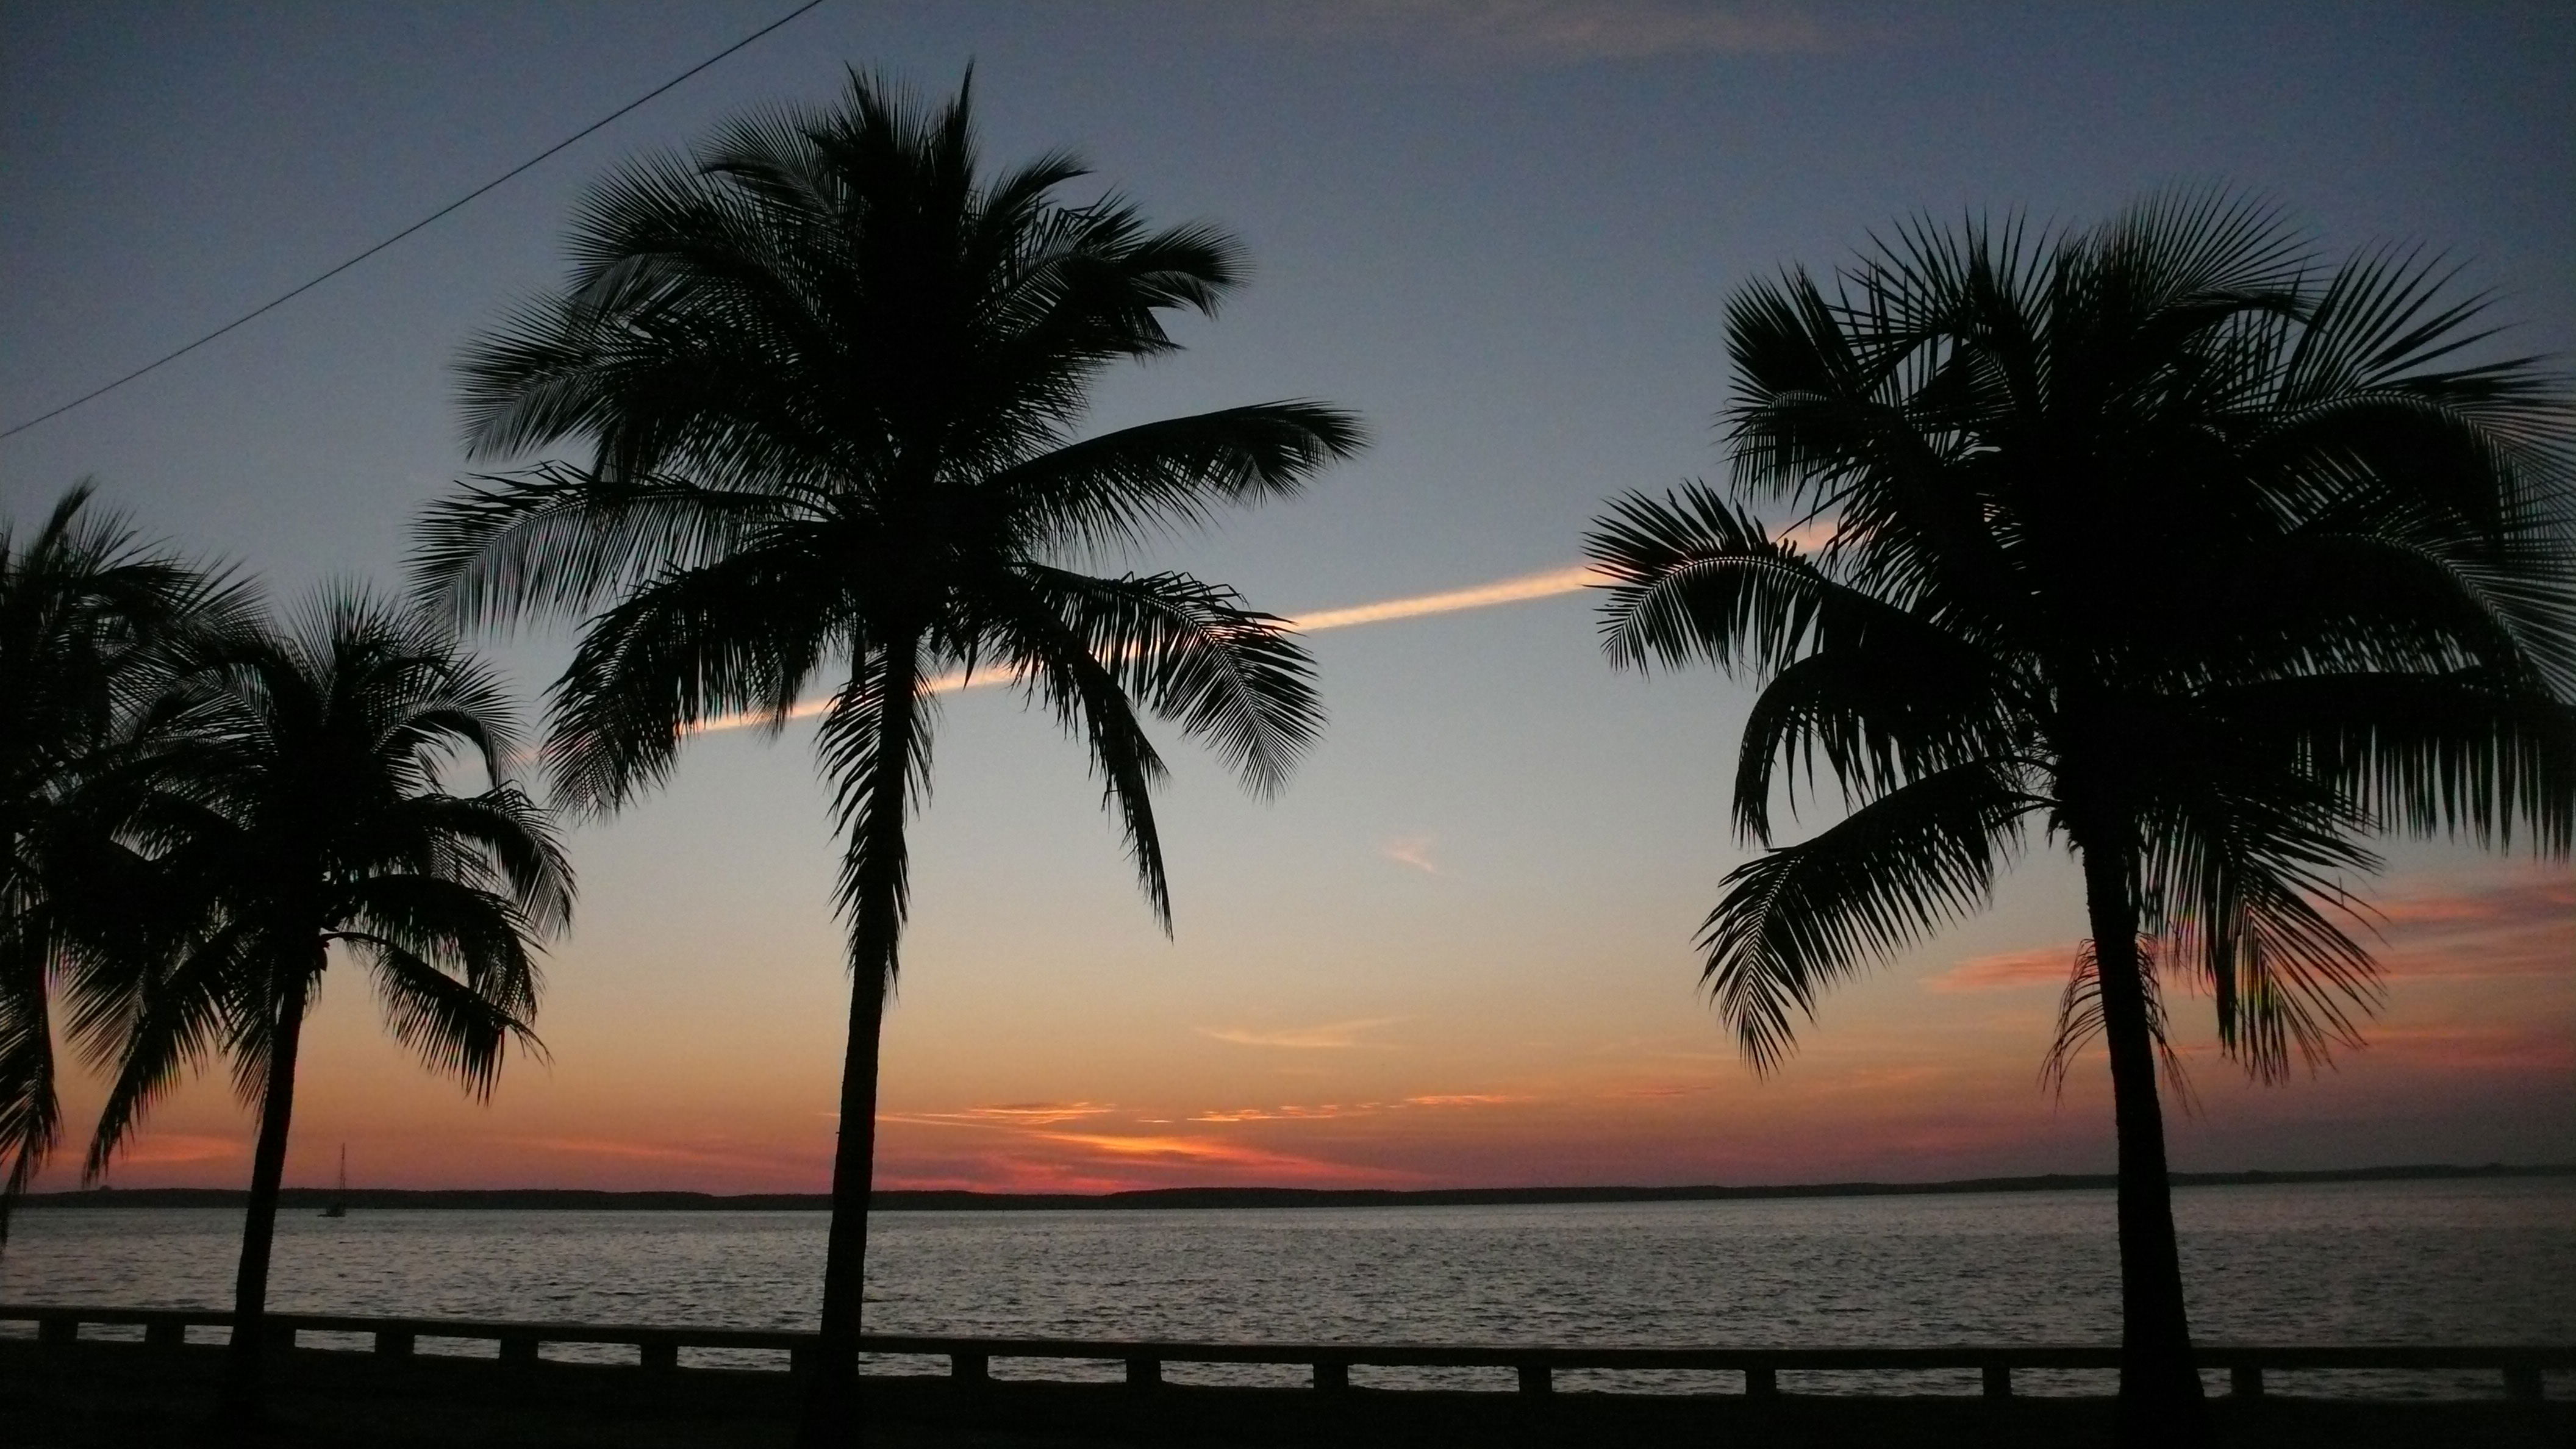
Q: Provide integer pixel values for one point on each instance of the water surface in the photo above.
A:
(2486, 1261)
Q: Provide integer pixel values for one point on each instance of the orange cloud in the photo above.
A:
(1336, 1036)
(1324, 1113)
(1413, 850)
(2525, 926)
(2038, 966)
(1202, 1153)
(1022, 1114)
(663, 1152)
(2477, 1048)
(1331, 1110)
(177, 1148)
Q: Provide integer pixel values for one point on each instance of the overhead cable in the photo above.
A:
(283, 298)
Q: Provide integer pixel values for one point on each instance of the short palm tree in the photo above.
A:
(307, 808)
(828, 376)
(88, 616)
(2199, 558)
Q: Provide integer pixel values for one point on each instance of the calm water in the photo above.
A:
(2469, 1262)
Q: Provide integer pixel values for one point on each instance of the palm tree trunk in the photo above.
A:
(241, 1394)
(875, 871)
(2160, 1394)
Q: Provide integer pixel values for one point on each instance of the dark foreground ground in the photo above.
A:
(98, 1395)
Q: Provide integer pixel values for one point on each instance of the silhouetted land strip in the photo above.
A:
(94, 1395)
(580, 1199)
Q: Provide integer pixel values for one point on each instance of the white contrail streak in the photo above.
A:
(1546, 583)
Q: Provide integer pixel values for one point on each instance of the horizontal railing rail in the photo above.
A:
(970, 1356)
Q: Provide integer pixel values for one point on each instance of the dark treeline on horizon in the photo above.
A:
(958, 1200)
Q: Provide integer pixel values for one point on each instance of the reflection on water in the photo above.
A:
(2426, 1262)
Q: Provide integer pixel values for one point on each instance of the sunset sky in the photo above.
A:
(1456, 951)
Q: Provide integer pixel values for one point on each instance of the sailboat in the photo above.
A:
(339, 1207)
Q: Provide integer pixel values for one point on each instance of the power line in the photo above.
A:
(286, 297)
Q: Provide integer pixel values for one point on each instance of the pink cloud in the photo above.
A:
(2009, 970)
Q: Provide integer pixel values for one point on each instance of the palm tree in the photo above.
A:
(828, 377)
(88, 613)
(306, 808)
(2162, 539)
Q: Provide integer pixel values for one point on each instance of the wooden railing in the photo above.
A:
(970, 1358)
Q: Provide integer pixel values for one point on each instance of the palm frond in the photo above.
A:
(2079, 1024)
(874, 743)
(1191, 652)
(457, 1029)
(1797, 919)
(1116, 489)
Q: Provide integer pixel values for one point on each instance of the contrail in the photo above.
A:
(1546, 583)
(1481, 596)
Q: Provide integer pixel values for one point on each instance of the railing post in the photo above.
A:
(57, 1331)
(1332, 1376)
(518, 1348)
(2522, 1381)
(2245, 1381)
(165, 1333)
(278, 1335)
(1144, 1373)
(394, 1342)
(970, 1369)
(1761, 1383)
(659, 1356)
(1535, 1379)
(1997, 1378)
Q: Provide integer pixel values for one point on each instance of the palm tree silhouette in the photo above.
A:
(2202, 559)
(305, 808)
(88, 616)
(829, 374)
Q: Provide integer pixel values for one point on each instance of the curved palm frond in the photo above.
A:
(2079, 1024)
(1695, 576)
(459, 1029)
(1192, 653)
(1116, 488)
(1796, 919)
(737, 637)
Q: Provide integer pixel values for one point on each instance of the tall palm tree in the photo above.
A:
(828, 377)
(2197, 557)
(88, 614)
(307, 808)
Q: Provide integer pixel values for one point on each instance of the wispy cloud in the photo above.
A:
(1412, 850)
(2036, 966)
(2521, 926)
(173, 1149)
(656, 1152)
(1015, 1114)
(1329, 1111)
(1333, 1036)
(1193, 1151)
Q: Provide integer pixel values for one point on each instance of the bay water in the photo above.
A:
(2481, 1261)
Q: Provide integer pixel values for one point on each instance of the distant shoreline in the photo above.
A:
(581, 1199)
